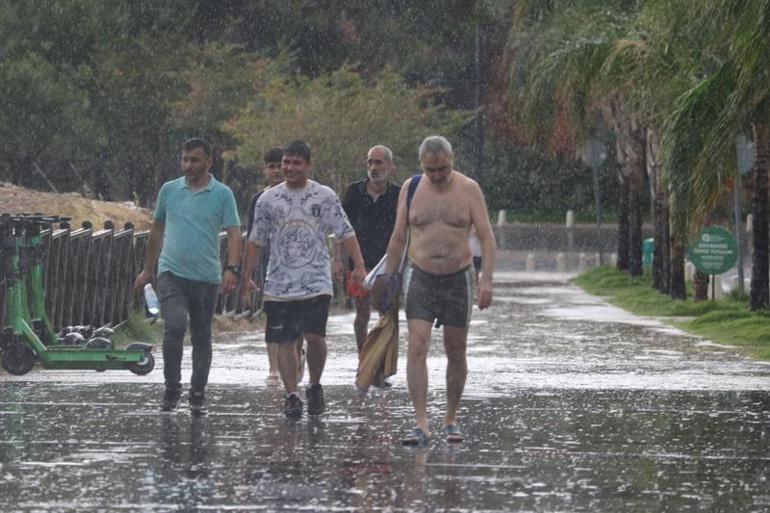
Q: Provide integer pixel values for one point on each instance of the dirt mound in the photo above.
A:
(15, 199)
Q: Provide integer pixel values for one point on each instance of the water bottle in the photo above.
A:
(151, 301)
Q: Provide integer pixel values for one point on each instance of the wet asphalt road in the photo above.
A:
(571, 405)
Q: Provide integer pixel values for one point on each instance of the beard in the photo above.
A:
(377, 177)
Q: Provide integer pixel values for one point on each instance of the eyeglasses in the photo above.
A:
(375, 161)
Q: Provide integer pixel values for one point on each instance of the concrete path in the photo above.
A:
(571, 405)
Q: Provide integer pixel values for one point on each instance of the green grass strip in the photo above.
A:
(726, 320)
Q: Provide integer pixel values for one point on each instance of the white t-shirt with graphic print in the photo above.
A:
(295, 224)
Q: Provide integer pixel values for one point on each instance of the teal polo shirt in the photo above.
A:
(193, 221)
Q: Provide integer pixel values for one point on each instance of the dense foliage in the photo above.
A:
(96, 96)
(678, 84)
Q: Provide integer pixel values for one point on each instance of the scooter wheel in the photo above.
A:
(144, 366)
(18, 359)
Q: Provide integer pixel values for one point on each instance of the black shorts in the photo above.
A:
(288, 320)
(447, 299)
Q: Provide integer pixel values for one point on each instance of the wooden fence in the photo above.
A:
(89, 276)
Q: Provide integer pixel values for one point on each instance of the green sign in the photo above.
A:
(714, 250)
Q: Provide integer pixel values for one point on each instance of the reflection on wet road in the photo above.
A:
(571, 405)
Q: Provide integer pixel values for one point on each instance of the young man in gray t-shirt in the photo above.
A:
(294, 219)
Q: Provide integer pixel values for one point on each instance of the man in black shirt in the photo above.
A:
(370, 204)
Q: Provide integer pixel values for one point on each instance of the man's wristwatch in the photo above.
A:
(235, 269)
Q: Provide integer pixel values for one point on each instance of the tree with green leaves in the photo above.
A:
(558, 78)
(99, 95)
(694, 74)
(341, 115)
(730, 95)
(653, 63)
(745, 31)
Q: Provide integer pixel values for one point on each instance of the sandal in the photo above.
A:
(452, 434)
(380, 381)
(417, 437)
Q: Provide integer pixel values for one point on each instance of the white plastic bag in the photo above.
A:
(379, 269)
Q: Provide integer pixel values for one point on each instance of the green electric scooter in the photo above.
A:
(29, 336)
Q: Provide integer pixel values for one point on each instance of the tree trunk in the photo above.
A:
(636, 143)
(700, 286)
(759, 261)
(630, 150)
(677, 287)
(635, 224)
(661, 257)
(623, 226)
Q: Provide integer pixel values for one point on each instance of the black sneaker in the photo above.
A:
(171, 398)
(315, 400)
(197, 398)
(292, 407)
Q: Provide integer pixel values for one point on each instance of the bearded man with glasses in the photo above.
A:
(370, 205)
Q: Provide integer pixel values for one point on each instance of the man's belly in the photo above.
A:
(439, 248)
(440, 258)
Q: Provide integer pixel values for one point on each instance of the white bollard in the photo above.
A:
(689, 271)
(597, 259)
(561, 263)
(613, 260)
(501, 214)
(530, 262)
(582, 262)
(749, 223)
(570, 219)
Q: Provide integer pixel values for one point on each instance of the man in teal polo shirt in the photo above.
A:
(189, 214)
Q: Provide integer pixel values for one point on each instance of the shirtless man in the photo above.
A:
(446, 204)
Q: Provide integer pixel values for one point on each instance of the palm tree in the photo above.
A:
(749, 54)
(735, 95)
(691, 74)
(560, 50)
(678, 79)
(657, 61)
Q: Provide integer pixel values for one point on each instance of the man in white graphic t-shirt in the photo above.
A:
(294, 219)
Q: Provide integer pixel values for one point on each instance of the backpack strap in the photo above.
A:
(413, 183)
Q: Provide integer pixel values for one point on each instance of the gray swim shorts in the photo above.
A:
(447, 299)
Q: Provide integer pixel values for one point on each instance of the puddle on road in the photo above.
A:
(540, 450)
(561, 412)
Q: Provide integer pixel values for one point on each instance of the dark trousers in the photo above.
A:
(181, 299)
